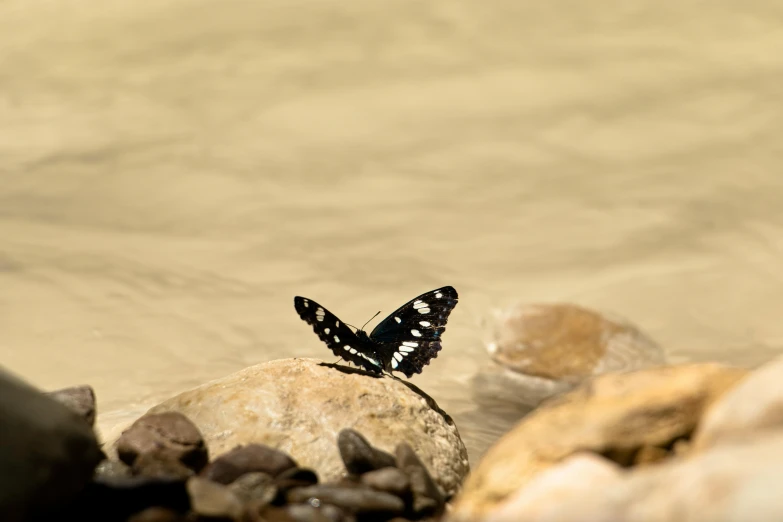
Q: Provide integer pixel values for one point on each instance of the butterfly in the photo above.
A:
(404, 342)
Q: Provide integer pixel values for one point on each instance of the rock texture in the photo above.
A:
(619, 416)
(300, 405)
(47, 451)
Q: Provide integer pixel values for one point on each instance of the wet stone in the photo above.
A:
(359, 456)
(210, 500)
(354, 500)
(112, 468)
(428, 499)
(80, 399)
(255, 487)
(169, 435)
(390, 480)
(245, 459)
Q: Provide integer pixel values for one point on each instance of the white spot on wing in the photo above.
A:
(398, 356)
(423, 323)
(410, 343)
(394, 363)
(353, 351)
(336, 339)
(398, 320)
(327, 330)
(346, 348)
(438, 295)
(306, 303)
(337, 324)
(415, 333)
(424, 310)
(406, 349)
(419, 304)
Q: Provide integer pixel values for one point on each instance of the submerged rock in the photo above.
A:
(541, 350)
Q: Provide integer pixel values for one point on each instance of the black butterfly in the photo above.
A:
(403, 342)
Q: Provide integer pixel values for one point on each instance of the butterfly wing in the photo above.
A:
(410, 336)
(337, 336)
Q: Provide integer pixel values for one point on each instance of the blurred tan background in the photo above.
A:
(174, 172)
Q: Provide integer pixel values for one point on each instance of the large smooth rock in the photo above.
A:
(736, 481)
(47, 451)
(617, 415)
(754, 405)
(300, 405)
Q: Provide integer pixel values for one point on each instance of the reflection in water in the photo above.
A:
(166, 193)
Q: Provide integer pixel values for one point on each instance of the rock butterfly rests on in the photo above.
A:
(403, 342)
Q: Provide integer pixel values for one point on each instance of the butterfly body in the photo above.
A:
(405, 341)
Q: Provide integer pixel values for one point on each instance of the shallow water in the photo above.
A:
(174, 172)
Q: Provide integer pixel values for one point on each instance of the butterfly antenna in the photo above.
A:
(371, 318)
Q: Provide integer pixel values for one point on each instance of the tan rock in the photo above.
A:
(612, 414)
(755, 404)
(565, 342)
(572, 477)
(300, 405)
(737, 481)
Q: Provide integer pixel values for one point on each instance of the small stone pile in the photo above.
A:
(164, 474)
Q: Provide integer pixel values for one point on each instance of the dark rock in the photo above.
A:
(358, 455)
(428, 499)
(255, 487)
(243, 459)
(157, 514)
(354, 500)
(296, 478)
(212, 500)
(112, 468)
(160, 465)
(317, 513)
(79, 399)
(390, 480)
(47, 452)
(107, 499)
(169, 435)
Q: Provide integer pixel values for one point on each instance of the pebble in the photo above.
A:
(359, 456)
(160, 465)
(255, 486)
(427, 496)
(245, 459)
(79, 399)
(212, 500)
(169, 435)
(296, 478)
(390, 480)
(355, 500)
